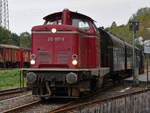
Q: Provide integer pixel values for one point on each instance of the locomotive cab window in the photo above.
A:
(95, 28)
(54, 22)
(81, 24)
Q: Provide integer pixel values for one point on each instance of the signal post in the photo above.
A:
(134, 26)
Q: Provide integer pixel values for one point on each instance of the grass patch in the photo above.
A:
(9, 79)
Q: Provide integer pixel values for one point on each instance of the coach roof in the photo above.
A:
(9, 46)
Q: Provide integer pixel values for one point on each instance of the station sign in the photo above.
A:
(147, 49)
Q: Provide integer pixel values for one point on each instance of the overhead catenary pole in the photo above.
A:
(147, 70)
(133, 72)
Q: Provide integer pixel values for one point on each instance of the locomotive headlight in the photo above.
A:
(74, 62)
(32, 57)
(74, 59)
(53, 30)
(32, 62)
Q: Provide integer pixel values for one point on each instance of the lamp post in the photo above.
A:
(134, 26)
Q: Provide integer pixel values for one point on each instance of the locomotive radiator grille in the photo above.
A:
(62, 57)
(44, 57)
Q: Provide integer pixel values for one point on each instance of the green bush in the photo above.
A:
(9, 79)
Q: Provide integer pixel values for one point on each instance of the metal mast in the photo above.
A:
(4, 14)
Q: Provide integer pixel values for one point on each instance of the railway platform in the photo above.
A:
(142, 79)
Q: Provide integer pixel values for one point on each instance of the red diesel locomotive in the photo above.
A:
(70, 55)
(65, 56)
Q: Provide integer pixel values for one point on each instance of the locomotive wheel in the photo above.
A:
(73, 92)
(69, 91)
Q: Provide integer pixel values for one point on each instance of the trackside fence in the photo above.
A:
(129, 103)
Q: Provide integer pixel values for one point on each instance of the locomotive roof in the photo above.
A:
(72, 14)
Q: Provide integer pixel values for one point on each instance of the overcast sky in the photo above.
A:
(23, 14)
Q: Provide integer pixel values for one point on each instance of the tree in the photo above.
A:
(6, 37)
(15, 39)
(113, 25)
(25, 39)
(143, 16)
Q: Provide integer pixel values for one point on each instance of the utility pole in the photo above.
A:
(134, 26)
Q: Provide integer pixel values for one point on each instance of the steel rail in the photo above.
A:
(16, 97)
(5, 90)
(12, 91)
(21, 107)
(60, 107)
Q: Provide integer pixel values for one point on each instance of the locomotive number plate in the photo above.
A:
(51, 39)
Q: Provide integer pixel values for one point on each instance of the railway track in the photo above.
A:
(86, 100)
(70, 106)
(64, 108)
(12, 91)
(18, 103)
(19, 108)
(58, 109)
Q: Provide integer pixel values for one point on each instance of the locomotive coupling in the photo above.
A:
(71, 78)
(31, 77)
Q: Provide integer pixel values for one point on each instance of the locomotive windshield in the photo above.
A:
(54, 22)
(81, 24)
